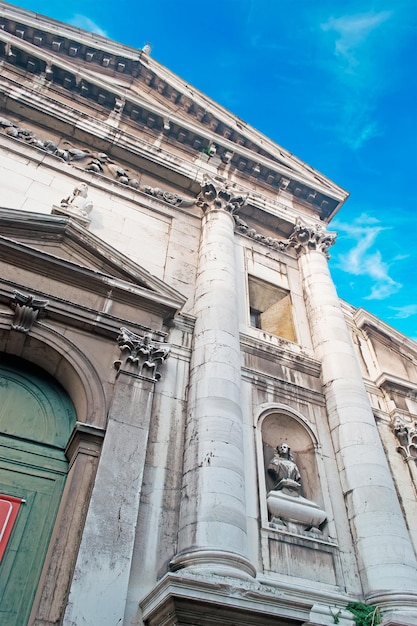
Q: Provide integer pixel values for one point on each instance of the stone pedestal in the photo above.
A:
(296, 509)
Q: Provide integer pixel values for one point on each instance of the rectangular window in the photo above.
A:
(271, 309)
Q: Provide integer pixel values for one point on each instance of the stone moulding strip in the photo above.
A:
(290, 355)
(286, 389)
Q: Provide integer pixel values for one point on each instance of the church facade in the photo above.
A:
(194, 428)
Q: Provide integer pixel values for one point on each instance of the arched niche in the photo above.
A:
(279, 424)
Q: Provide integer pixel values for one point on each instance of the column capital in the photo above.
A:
(220, 195)
(143, 352)
(305, 238)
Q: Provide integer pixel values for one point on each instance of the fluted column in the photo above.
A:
(385, 556)
(212, 533)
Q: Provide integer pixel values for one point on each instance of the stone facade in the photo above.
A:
(167, 266)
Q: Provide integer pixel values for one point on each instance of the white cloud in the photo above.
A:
(362, 259)
(352, 32)
(355, 54)
(405, 311)
(84, 22)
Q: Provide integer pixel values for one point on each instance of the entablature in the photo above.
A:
(66, 60)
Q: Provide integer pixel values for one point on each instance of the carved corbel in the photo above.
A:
(27, 309)
(305, 238)
(143, 352)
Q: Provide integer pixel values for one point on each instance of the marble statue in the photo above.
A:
(283, 469)
(78, 201)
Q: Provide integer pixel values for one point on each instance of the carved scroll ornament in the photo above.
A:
(143, 352)
(27, 309)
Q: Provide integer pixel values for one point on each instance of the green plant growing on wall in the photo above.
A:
(364, 614)
(335, 616)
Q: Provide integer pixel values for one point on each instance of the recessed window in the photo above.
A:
(271, 309)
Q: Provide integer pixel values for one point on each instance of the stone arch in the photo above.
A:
(64, 361)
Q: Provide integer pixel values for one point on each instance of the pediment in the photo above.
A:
(138, 92)
(67, 259)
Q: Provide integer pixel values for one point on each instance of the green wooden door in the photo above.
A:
(36, 420)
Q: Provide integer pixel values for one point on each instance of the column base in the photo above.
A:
(213, 561)
(397, 608)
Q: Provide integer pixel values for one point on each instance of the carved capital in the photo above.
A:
(406, 435)
(27, 309)
(143, 352)
(222, 195)
(305, 238)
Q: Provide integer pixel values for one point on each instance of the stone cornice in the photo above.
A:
(382, 331)
(390, 382)
(61, 270)
(263, 596)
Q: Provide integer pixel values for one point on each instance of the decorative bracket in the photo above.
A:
(146, 354)
(27, 309)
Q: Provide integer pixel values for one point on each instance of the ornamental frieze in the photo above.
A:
(91, 161)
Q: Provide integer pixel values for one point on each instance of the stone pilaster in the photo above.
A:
(385, 556)
(212, 533)
(100, 583)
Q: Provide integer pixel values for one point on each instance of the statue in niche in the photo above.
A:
(283, 469)
(287, 508)
(78, 201)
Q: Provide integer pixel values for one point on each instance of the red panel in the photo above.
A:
(9, 508)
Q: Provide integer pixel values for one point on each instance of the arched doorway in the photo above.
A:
(36, 421)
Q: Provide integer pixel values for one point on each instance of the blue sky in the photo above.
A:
(334, 83)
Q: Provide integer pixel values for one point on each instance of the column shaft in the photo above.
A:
(213, 515)
(385, 555)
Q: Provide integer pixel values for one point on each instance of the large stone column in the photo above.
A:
(212, 533)
(385, 556)
(100, 583)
